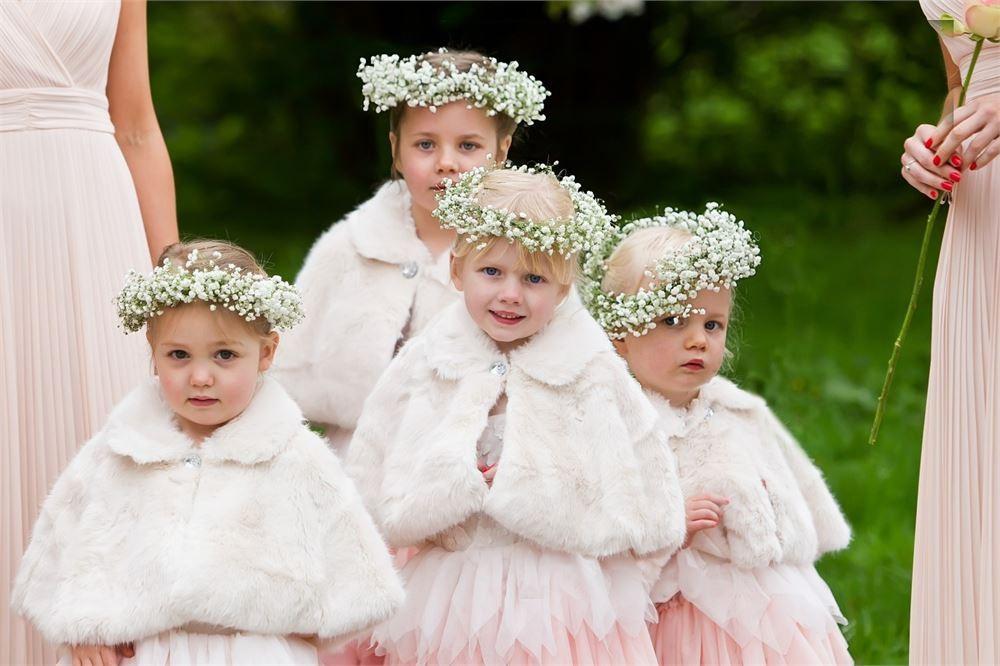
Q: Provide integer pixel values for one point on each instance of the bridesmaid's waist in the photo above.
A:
(24, 109)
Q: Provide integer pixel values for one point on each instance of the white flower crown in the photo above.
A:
(247, 294)
(499, 88)
(720, 253)
(590, 226)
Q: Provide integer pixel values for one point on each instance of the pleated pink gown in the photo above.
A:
(955, 607)
(70, 228)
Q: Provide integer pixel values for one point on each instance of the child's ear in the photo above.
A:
(503, 148)
(393, 144)
(455, 267)
(621, 348)
(267, 350)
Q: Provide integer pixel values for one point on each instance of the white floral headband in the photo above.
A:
(499, 88)
(721, 252)
(589, 227)
(247, 294)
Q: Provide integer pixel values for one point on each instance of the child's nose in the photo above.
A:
(510, 293)
(202, 376)
(447, 162)
(697, 339)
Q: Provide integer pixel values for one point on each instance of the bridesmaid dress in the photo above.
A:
(70, 229)
(955, 604)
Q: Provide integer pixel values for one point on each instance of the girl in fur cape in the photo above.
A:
(380, 275)
(743, 589)
(205, 524)
(509, 444)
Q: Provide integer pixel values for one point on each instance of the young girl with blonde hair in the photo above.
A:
(509, 444)
(377, 277)
(743, 589)
(205, 523)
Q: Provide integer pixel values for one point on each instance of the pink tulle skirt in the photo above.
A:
(502, 600)
(182, 648)
(717, 613)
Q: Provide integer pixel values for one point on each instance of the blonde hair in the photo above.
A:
(627, 266)
(537, 196)
(213, 253)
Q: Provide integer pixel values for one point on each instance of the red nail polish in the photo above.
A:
(929, 142)
(937, 160)
(956, 160)
(946, 185)
(955, 176)
(932, 194)
(973, 166)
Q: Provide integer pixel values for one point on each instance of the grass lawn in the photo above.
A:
(815, 332)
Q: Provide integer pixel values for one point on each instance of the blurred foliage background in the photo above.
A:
(792, 113)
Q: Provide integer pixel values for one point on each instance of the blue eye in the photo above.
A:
(177, 354)
(671, 322)
(426, 144)
(226, 355)
(469, 146)
(491, 271)
(535, 279)
(713, 325)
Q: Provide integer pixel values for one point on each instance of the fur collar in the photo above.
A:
(142, 427)
(718, 393)
(556, 355)
(382, 228)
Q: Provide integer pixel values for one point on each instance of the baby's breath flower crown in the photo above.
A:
(590, 226)
(247, 294)
(500, 88)
(720, 252)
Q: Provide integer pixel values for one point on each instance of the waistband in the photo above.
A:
(53, 108)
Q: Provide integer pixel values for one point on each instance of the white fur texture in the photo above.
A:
(268, 535)
(583, 470)
(358, 304)
(780, 509)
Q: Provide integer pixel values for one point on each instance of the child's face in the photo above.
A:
(680, 355)
(433, 146)
(504, 298)
(208, 364)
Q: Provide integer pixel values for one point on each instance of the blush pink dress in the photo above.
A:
(70, 228)
(955, 603)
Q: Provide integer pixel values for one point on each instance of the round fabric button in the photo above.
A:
(410, 269)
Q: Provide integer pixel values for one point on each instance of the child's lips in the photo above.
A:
(203, 401)
(505, 318)
(696, 364)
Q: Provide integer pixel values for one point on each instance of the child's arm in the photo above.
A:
(832, 530)
(100, 655)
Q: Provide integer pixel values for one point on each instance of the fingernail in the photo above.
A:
(932, 194)
(946, 185)
(955, 176)
(929, 142)
(956, 160)
(973, 166)
(937, 160)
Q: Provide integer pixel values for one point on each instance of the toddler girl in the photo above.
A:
(205, 523)
(508, 442)
(743, 590)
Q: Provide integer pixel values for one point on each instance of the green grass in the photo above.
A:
(815, 333)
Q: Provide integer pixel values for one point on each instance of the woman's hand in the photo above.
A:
(95, 655)
(702, 512)
(978, 120)
(919, 168)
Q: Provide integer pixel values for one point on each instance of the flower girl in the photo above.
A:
(205, 523)
(377, 277)
(743, 590)
(509, 443)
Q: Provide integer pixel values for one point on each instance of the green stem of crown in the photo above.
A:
(918, 281)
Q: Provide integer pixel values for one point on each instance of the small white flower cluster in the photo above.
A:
(247, 294)
(590, 227)
(720, 253)
(499, 88)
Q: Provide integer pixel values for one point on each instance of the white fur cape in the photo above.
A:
(731, 444)
(358, 304)
(267, 535)
(583, 470)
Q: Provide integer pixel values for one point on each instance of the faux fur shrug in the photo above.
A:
(365, 283)
(262, 532)
(583, 470)
(730, 443)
